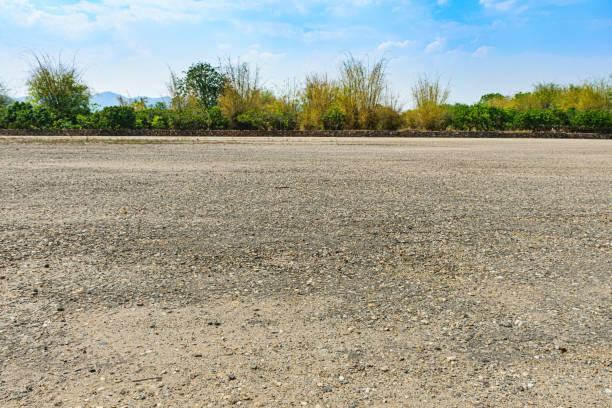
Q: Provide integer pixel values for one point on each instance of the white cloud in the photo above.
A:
(482, 51)
(435, 46)
(504, 5)
(399, 44)
(442, 2)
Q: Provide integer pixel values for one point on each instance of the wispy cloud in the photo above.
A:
(436, 46)
(399, 44)
(505, 5)
(482, 51)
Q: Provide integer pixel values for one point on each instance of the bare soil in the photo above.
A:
(311, 272)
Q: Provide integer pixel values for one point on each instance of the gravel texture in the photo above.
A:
(353, 273)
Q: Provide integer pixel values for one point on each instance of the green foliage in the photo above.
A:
(216, 118)
(64, 123)
(490, 97)
(479, 117)
(232, 97)
(115, 118)
(265, 119)
(334, 118)
(204, 83)
(58, 87)
(593, 121)
(189, 119)
(23, 115)
(158, 122)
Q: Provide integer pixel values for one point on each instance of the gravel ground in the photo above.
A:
(346, 273)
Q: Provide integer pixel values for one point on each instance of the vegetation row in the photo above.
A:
(231, 96)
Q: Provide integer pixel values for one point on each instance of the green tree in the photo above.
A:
(58, 87)
(203, 82)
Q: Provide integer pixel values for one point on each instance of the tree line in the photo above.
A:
(230, 95)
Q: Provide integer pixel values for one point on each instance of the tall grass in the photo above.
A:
(362, 90)
(243, 91)
(318, 96)
(429, 97)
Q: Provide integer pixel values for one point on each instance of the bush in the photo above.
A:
(217, 120)
(158, 122)
(592, 121)
(22, 115)
(192, 119)
(334, 118)
(115, 118)
(251, 120)
(480, 117)
(64, 123)
(388, 118)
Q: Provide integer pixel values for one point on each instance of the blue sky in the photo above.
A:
(476, 46)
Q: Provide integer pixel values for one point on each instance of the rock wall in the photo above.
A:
(304, 133)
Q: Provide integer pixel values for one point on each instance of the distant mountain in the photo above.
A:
(104, 99)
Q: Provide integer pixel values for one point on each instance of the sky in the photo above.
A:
(476, 47)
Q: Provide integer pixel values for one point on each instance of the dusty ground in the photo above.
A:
(349, 273)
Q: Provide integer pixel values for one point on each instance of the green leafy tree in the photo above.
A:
(204, 83)
(58, 87)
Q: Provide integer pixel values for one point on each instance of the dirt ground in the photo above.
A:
(310, 272)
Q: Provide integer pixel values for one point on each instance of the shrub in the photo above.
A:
(158, 122)
(115, 118)
(479, 117)
(85, 122)
(192, 119)
(217, 120)
(251, 120)
(64, 123)
(388, 118)
(22, 115)
(593, 121)
(334, 118)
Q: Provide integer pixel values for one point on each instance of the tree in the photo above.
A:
(58, 87)
(203, 82)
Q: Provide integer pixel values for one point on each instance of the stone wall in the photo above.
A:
(305, 133)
